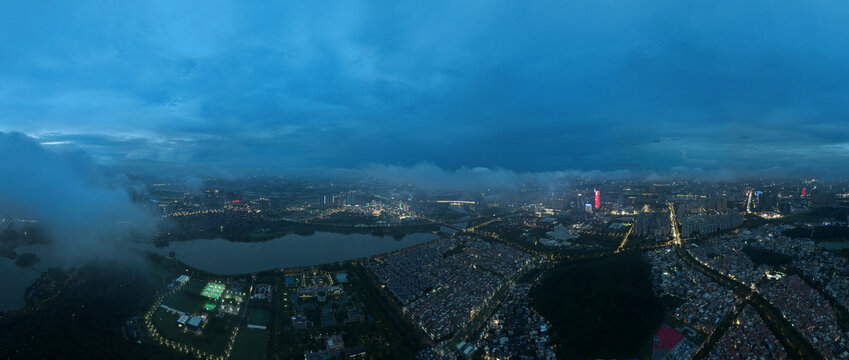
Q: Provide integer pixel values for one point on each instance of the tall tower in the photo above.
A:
(597, 198)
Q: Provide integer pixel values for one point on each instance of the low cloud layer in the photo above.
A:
(86, 211)
(428, 176)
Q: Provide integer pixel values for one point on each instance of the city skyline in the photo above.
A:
(488, 180)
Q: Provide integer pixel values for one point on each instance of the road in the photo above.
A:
(673, 223)
(624, 240)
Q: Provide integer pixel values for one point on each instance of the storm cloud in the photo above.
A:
(587, 85)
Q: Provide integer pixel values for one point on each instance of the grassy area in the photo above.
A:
(250, 344)
(258, 316)
(600, 308)
(184, 301)
(194, 286)
(166, 323)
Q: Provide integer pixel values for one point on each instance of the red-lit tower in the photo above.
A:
(803, 191)
(597, 199)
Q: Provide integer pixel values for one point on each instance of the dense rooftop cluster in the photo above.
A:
(516, 330)
(463, 293)
(725, 255)
(401, 272)
(749, 337)
(444, 284)
(706, 302)
(816, 263)
(809, 312)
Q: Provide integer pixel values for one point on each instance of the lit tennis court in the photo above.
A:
(213, 290)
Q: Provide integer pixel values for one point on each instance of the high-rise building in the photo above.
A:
(597, 198)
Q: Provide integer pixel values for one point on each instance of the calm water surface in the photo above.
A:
(226, 257)
(223, 257)
(14, 280)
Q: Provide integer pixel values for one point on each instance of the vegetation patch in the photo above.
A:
(600, 308)
(761, 256)
(250, 344)
(820, 233)
(27, 260)
(830, 233)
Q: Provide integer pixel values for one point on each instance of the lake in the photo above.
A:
(225, 257)
(15, 280)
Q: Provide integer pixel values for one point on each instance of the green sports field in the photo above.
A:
(213, 290)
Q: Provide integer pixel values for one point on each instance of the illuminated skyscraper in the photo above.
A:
(597, 199)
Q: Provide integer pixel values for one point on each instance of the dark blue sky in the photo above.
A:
(529, 87)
